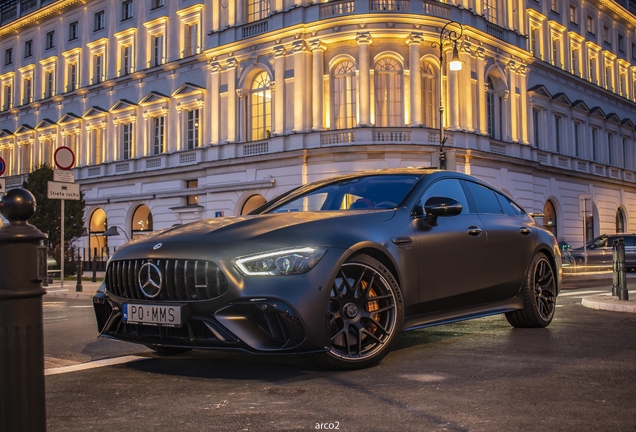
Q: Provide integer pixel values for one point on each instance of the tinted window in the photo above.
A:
(450, 188)
(509, 207)
(484, 198)
(629, 240)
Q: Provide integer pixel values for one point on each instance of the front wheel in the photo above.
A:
(539, 295)
(365, 314)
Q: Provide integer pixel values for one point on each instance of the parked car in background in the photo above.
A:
(600, 251)
(337, 268)
(566, 255)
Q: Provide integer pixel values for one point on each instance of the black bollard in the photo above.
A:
(78, 286)
(615, 269)
(94, 279)
(22, 400)
(622, 282)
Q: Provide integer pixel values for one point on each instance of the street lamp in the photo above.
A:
(114, 231)
(447, 35)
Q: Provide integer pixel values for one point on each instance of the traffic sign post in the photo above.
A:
(66, 189)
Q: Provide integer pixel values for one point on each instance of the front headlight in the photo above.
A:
(281, 262)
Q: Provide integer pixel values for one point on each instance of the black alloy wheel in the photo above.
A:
(365, 314)
(539, 295)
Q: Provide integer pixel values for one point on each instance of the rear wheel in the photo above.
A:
(539, 295)
(365, 314)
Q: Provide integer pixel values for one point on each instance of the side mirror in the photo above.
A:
(441, 206)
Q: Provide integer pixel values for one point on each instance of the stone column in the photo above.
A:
(364, 40)
(279, 95)
(215, 69)
(523, 89)
(512, 85)
(231, 99)
(415, 76)
(317, 78)
(298, 48)
(242, 133)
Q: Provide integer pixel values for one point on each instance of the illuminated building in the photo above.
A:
(181, 110)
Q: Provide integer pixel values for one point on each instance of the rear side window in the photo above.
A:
(509, 207)
(484, 198)
(628, 239)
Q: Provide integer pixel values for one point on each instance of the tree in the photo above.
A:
(47, 216)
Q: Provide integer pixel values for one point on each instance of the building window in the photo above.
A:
(157, 50)
(622, 83)
(634, 50)
(610, 148)
(154, 4)
(620, 221)
(574, 19)
(49, 40)
(609, 85)
(7, 96)
(261, 107)
(157, 135)
(592, 69)
(621, 43)
(97, 145)
(344, 95)
(126, 60)
(73, 30)
(8, 56)
(388, 93)
(126, 10)
(27, 85)
(100, 21)
(625, 159)
(594, 143)
(536, 123)
(72, 76)
(549, 217)
(126, 141)
(192, 199)
(556, 51)
(554, 6)
(98, 68)
(574, 62)
(535, 42)
(47, 153)
(490, 10)
(191, 39)
(577, 140)
(28, 48)
(429, 95)
(606, 34)
(25, 159)
(590, 25)
(49, 84)
(494, 109)
(557, 130)
(192, 129)
(257, 10)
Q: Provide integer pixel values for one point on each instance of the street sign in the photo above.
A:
(3, 166)
(2, 186)
(64, 191)
(64, 176)
(64, 158)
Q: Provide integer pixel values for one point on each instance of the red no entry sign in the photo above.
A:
(3, 166)
(64, 158)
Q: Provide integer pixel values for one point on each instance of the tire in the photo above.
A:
(167, 351)
(365, 315)
(539, 295)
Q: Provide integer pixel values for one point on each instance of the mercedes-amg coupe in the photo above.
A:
(337, 269)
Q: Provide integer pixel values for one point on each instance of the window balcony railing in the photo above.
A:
(336, 137)
(332, 9)
(392, 135)
(254, 29)
(437, 9)
(389, 5)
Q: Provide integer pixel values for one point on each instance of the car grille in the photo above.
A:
(182, 279)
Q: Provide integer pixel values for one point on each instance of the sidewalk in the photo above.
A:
(69, 290)
(610, 303)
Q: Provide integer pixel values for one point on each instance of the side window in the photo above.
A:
(484, 198)
(509, 207)
(450, 188)
(629, 240)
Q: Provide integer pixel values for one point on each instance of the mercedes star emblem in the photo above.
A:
(157, 246)
(150, 279)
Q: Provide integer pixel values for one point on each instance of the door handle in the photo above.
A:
(402, 241)
(525, 230)
(474, 231)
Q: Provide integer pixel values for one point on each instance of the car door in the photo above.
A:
(450, 255)
(511, 237)
(600, 251)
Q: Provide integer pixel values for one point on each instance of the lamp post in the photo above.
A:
(446, 35)
(114, 231)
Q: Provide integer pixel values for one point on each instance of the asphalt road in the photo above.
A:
(479, 375)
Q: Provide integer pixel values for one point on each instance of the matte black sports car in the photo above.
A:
(338, 268)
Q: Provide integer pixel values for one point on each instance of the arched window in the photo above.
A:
(494, 109)
(550, 218)
(344, 95)
(141, 222)
(97, 243)
(261, 107)
(257, 10)
(388, 93)
(430, 97)
(620, 221)
(252, 203)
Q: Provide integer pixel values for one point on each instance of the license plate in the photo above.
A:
(155, 315)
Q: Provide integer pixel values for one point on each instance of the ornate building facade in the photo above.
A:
(182, 110)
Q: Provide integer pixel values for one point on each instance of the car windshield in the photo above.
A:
(361, 193)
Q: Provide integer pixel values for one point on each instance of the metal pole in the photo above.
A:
(622, 285)
(94, 279)
(615, 268)
(62, 246)
(22, 398)
(78, 286)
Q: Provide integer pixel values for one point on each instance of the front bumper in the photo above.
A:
(284, 314)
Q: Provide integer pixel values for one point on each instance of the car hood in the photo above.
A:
(276, 227)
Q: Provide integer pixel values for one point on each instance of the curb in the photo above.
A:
(609, 303)
(54, 291)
